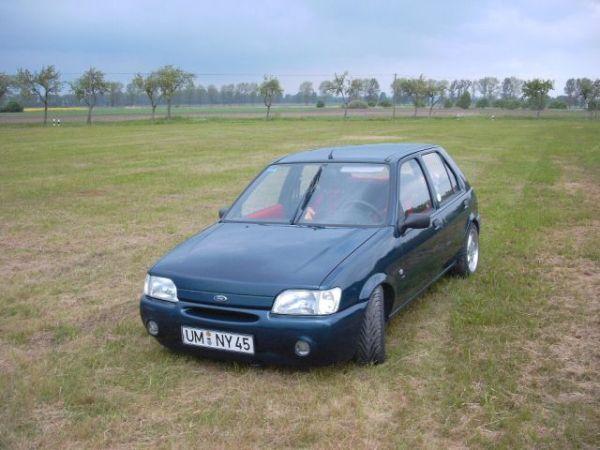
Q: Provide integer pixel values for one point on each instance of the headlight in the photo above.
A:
(162, 288)
(304, 302)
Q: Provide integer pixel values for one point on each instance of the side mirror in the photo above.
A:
(222, 212)
(417, 220)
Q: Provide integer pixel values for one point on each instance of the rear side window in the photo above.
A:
(414, 193)
(442, 184)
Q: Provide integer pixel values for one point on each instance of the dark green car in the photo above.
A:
(312, 259)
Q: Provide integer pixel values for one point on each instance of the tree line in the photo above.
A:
(170, 85)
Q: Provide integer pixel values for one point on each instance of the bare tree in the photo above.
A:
(536, 93)
(170, 80)
(463, 86)
(306, 91)
(149, 84)
(88, 88)
(488, 87)
(269, 89)
(42, 84)
(371, 89)
(396, 94)
(340, 86)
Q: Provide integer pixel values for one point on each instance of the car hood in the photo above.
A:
(258, 259)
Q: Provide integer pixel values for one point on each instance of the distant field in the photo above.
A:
(509, 358)
(108, 114)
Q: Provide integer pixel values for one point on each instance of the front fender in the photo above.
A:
(374, 280)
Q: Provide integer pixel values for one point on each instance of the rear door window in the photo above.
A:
(452, 176)
(442, 185)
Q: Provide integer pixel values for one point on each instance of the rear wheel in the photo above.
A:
(469, 254)
(371, 338)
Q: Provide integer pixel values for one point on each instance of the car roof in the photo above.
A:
(357, 153)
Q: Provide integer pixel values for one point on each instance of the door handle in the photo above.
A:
(437, 224)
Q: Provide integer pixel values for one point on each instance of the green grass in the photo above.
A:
(161, 110)
(104, 113)
(507, 358)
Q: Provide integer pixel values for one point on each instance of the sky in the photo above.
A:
(225, 41)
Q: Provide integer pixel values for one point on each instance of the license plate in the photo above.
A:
(199, 337)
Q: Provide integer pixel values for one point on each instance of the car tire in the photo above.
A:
(371, 339)
(468, 258)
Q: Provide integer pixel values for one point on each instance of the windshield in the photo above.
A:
(316, 194)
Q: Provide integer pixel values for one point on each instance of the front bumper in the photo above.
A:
(332, 338)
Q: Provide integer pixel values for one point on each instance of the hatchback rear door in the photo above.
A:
(451, 207)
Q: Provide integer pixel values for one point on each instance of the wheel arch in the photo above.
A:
(389, 295)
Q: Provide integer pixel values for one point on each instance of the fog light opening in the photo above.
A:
(152, 327)
(302, 348)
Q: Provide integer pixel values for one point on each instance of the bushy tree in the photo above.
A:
(227, 93)
(584, 88)
(324, 88)
(89, 87)
(5, 84)
(536, 93)
(40, 84)
(356, 89)
(270, 89)
(115, 91)
(482, 103)
(434, 92)
(150, 86)
(464, 101)
(571, 91)
(212, 94)
(414, 88)
(306, 91)
(557, 104)
(170, 80)
(511, 88)
(12, 107)
(593, 104)
(131, 93)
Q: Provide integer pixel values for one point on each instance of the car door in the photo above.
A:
(414, 250)
(451, 210)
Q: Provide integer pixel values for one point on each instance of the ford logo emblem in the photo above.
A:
(220, 298)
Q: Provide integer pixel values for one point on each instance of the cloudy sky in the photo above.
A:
(229, 41)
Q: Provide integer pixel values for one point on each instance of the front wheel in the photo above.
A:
(371, 338)
(469, 255)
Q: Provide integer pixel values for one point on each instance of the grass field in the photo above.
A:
(108, 114)
(509, 358)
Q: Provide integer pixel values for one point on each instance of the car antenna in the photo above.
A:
(330, 154)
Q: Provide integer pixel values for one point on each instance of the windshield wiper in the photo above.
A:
(309, 192)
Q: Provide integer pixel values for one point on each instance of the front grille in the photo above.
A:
(228, 315)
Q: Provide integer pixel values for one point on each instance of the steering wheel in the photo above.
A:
(364, 205)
